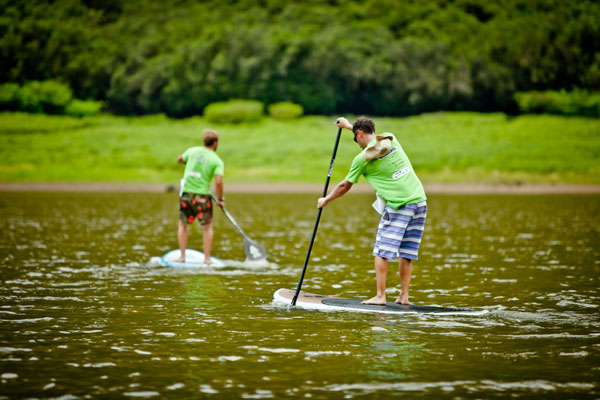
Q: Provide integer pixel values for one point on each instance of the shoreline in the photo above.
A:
(430, 188)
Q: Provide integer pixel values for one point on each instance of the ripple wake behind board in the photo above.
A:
(193, 259)
(310, 301)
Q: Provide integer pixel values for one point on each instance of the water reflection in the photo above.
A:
(83, 314)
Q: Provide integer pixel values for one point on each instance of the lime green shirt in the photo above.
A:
(391, 176)
(201, 165)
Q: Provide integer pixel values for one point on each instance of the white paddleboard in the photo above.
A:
(310, 301)
(193, 259)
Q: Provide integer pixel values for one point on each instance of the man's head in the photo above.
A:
(211, 138)
(361, 128)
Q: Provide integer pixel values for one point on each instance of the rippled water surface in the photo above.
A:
(84, 315)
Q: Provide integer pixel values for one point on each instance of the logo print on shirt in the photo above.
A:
(400, 173)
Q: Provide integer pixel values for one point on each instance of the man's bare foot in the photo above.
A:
(180, 260)
(380, 301)
(402, 300)
(208, 261)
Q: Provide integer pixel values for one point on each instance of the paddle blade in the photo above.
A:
(254, 251)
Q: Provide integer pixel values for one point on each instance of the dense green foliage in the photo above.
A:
(376, 57)
(83, 108)
(48, 97)
(577, 102)
(234, 111)
(9, 99)
(285, 110)
(443, 147)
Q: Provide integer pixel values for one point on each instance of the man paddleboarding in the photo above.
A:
(201, 164)
(401, 201)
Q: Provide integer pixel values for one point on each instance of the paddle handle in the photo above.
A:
(312, 239)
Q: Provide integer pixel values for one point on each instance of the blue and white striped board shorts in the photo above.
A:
(400, 231)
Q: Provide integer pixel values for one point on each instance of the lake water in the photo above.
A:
(83, 314)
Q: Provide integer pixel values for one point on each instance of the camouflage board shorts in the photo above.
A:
(193, 206)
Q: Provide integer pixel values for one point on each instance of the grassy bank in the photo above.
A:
(444, 147)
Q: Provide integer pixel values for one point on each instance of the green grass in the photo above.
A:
(443, 147)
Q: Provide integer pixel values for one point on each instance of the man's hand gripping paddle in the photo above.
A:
(254, 251)
(312, 239)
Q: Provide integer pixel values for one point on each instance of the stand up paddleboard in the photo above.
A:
(193, 259)
(310, 301)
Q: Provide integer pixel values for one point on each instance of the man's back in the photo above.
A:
(201, 165)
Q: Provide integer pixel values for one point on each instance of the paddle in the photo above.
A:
(312, 239)
(254, 251)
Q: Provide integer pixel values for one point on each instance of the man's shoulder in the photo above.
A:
(359, 158)
(194, 149)
(361, 155)
(215, 157)
(395, 141)
(388, 134)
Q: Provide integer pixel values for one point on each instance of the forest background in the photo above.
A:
(378, 58)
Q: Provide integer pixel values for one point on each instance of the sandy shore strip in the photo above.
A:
(430, 188)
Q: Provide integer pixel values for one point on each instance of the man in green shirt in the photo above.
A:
(201, 164)
(401, 198)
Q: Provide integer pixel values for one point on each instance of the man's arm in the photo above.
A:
(219, 188)
(180, 159)
(339, 190)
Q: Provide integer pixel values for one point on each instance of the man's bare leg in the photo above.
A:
(207, 240)
(405, 267)
(182, 238)
(381, 269)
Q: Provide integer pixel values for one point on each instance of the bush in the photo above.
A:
(28, 97)
(48, 96)
(83, 108)
(285, 110)
(8, 96)
(234, 111)
(577, 102)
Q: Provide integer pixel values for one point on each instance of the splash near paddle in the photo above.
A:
(193, 259)
(310, 301)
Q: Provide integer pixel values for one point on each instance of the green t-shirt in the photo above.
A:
(201, 165)
(391, 176)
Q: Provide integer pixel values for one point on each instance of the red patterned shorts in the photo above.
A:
(193, 206)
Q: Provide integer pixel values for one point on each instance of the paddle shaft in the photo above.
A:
(230, 218)
(312, 239)
(249, 244)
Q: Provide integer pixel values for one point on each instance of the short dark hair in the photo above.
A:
(364, 124)
(210, 136)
